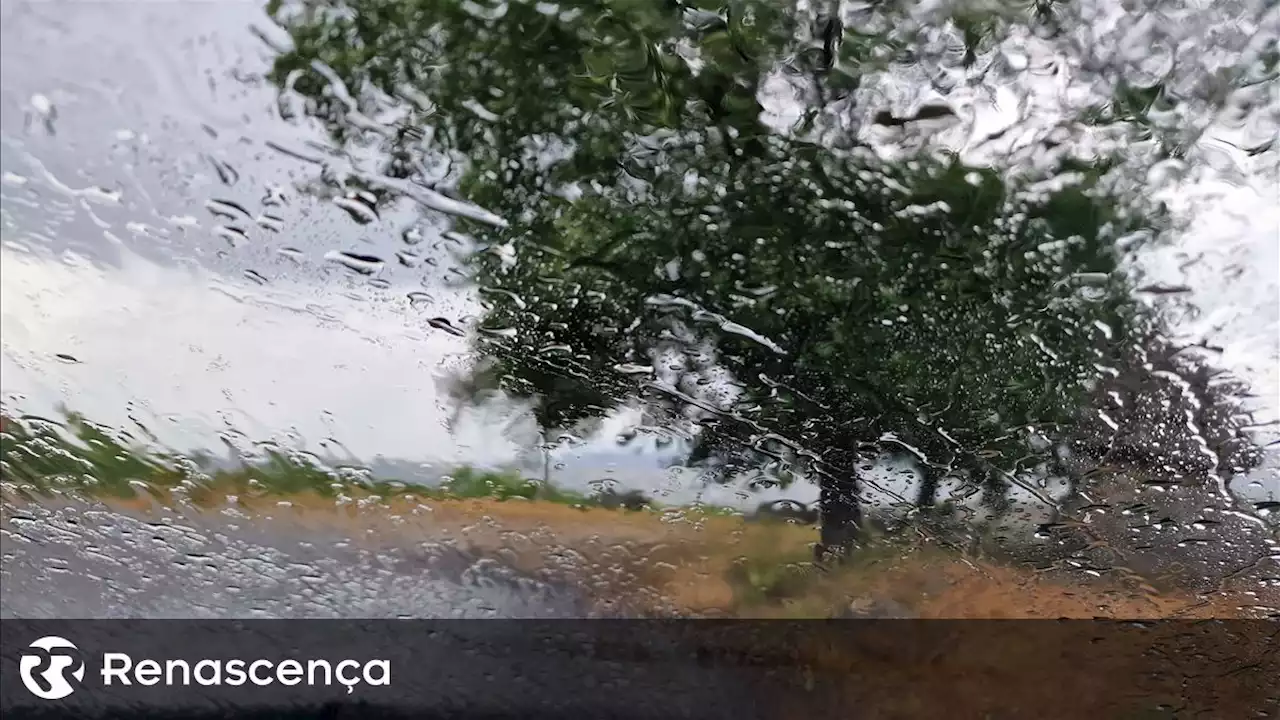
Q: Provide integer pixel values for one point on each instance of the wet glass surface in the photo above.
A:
(464, 308)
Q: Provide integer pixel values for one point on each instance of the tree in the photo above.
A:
(778, 297)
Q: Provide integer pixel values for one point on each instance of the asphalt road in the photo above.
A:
(61, 562)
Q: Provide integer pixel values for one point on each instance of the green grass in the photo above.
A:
(469, 483)
(774, 574)
(767, 580)
(40, 457)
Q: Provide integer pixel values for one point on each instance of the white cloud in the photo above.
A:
(195, 356)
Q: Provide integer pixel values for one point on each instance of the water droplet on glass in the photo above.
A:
(44, 112)
(226, 174)
(633, 369)
(362, 264)
(444, 324)
(227, 209)
(232, 234)
(360, 208)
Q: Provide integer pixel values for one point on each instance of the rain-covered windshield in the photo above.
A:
(747, 308)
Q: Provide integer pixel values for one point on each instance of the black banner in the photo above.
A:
(638, 669)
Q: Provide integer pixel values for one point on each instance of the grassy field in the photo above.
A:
(645, 560)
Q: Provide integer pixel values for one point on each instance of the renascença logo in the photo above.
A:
(45, 664)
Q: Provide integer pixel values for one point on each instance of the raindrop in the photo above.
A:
(227, 209)
(1090, 278)
(231, 234)
(45, 112)
(418, 299)
(412, 236)
(227, 174)
(270, 222)
(927, 112)
(515, 299)
(42, 104)
(274, 197)
(363, 264)
(359, 207)
(1164, 289)
(444, 324)
(69, 359)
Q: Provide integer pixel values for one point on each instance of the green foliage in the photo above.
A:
(41, 457)
(468, 483)
(763, 581)
(46, 456)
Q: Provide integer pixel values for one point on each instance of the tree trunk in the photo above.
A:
(841, 515)
(928, 496)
